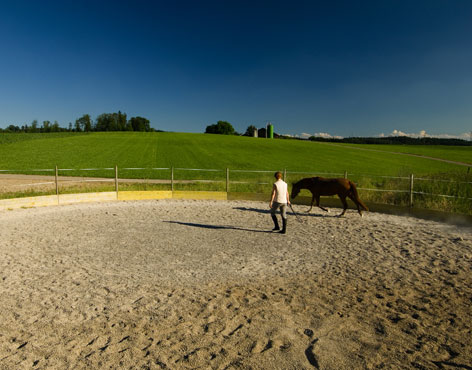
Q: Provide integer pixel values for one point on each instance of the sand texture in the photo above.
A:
(185, 284)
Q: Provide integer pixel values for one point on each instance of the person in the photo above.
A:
(279, 199)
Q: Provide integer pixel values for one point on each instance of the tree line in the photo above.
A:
(225, 128)
(103, 122)
(405, 140)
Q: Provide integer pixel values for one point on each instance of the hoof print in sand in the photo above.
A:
(310, 356)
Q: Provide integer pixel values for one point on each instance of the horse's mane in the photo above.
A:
(304, 182)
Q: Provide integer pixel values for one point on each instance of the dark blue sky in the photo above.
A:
(349, 68)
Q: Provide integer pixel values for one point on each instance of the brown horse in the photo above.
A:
(323, 186)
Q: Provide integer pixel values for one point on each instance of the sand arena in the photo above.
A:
(183, 284)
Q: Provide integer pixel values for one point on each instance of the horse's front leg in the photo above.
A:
(318, 204)
(312, 201)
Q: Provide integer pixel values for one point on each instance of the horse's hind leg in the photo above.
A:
(343, 201)
(357, 204)
(318, 204)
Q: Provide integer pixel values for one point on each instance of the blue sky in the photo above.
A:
(345, 68)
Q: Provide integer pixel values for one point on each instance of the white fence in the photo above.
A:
(225, 176)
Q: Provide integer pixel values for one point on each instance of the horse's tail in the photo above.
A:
(355, 195)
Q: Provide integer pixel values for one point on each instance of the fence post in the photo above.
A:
(345, 174)
(116, 180)
(227, 179)
(57, 184)
(285, 174)
(411, 190)
(172, 178)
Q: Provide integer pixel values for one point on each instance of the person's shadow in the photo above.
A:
(258, 210)
(216, 227)
(297, 214)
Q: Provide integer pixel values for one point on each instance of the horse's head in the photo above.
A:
(295, 190)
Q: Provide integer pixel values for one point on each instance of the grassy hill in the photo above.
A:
(448, 152)
(72, 150)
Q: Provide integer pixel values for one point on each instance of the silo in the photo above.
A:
(271, 131)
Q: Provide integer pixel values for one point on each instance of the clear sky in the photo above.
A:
(347, 68)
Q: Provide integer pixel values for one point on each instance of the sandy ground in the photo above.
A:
(202, 284)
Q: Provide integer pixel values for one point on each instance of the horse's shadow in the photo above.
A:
(217, 227)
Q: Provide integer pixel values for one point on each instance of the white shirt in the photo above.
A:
(281, 191)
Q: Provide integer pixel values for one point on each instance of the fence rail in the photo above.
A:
(387, 190)
(412, 188)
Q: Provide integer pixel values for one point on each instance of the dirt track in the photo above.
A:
(17, 182)
(205, 284)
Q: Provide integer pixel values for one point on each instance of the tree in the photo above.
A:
(111, 122)
(221, 128)
(13, 128)
(88, 123)
(140, 124)
(55, 127)
(34, 126)
(46, 126)
(120, 119)
(250, 130)
(104, 122)
(84, 123)
(77, 126)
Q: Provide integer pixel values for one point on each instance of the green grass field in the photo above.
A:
(453, 153)
(33, 151)
(22, 153)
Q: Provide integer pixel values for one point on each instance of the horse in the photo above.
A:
(324, 186)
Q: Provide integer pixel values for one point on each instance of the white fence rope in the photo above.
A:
(250, 182)
(84, 169)
(317, 173)
(253, 171)
(87, 180)
(19, 171)
(381, 176)
(144, 168)
(198, 169)
(386, 190)
(438, 180)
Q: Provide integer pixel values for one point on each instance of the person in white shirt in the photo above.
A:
(279, 199)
